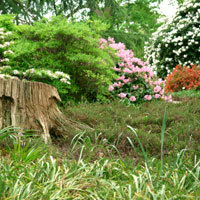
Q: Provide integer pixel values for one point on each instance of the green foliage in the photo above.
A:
(6, 132)
(186, 94)
(6, 22)
(176, 42)
(135, 26)
(25, 11)
(22, 147)
(132, 40)
(48, 178)
(130, 23)
(69, 47)
(142, 17)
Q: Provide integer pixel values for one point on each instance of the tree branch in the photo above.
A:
(80, 6)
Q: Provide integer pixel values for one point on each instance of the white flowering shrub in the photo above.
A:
(30, 74)
(176, 42)
(35, 74)
(4, 44)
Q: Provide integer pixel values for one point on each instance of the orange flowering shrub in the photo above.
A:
(182, 77)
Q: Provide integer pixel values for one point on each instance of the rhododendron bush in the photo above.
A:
(183, 78)
(136, 81)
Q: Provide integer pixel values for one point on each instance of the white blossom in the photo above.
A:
(15, 72)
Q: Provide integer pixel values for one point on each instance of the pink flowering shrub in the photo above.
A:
(136, 81)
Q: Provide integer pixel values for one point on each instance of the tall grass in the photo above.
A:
(162, 138)
(102, 179)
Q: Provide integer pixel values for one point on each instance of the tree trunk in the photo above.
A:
(33, 106)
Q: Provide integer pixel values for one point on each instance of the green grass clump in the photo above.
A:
(103, 179)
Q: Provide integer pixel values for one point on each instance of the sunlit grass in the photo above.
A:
(102, 179)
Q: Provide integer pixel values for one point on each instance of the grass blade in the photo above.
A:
(138, 139)
(162, 138)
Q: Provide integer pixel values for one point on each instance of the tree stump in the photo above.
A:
(33, 106)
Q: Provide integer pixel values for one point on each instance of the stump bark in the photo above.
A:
(33, 106)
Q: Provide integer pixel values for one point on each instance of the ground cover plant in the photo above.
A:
(112, 162)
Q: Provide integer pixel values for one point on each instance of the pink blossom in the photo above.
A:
(144, 69)
(118, 46)
(164, 97)
(157, 89)
(102, 40)
(150, 82)
(121, 64)
(117, 69)
(134, 70)
(122, 95)
(132, 98)
(148, 97)
(169, 98)
(117, 84)
(111, 88)
(126, 80)
(121, 78)
(162, 92)
(140, 63)
(135, 87)
(151, 74)
(101, 47)
(126, 70)
(157, 96)
(111, 40)
(145, 76)
(132, 65)
(158, 82)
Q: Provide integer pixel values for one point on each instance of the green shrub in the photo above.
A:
(58, 78)
(69, 47)
(176, 42)
(6, 22)
(183, 78)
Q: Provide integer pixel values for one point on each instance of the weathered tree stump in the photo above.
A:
(33, 106)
